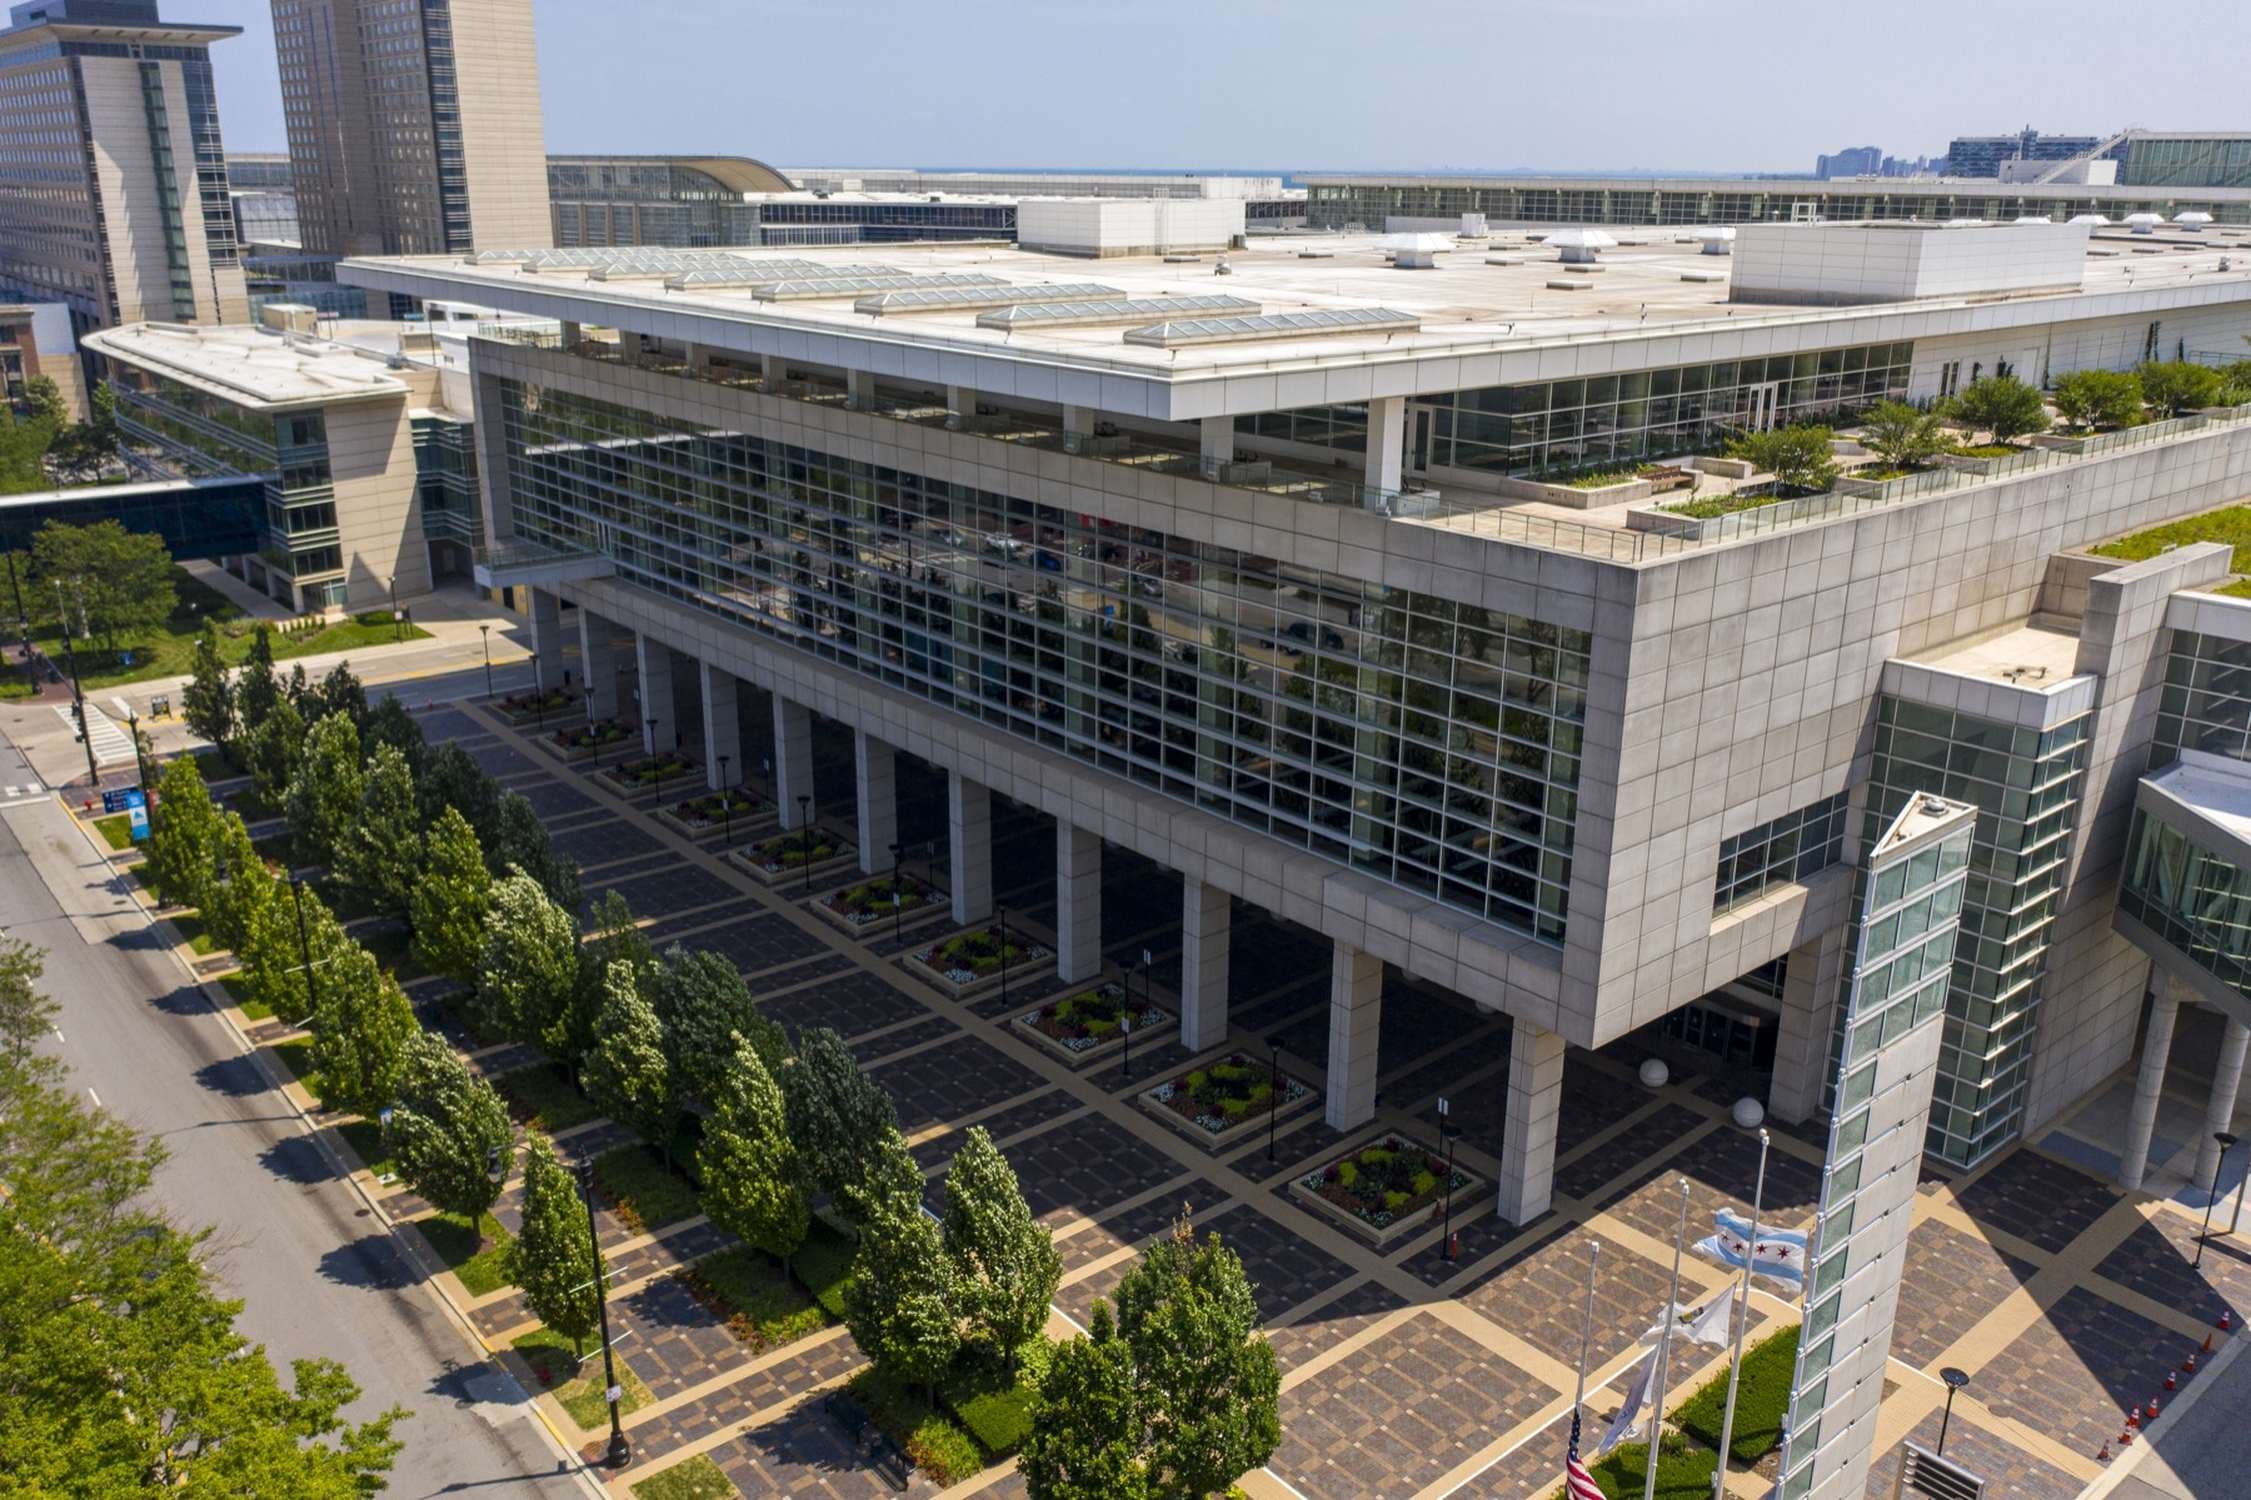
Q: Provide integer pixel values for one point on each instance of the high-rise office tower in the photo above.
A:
(113, 178)
(414, 125)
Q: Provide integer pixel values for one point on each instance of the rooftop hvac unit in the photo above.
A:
(1717, 240)
(2094, 219)
(2192, 222)
(1579, 247)
(2144, 223)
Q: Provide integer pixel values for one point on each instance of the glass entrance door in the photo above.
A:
(1760, 403)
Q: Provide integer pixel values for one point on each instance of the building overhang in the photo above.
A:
(522, 564)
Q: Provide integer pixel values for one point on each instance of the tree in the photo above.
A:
(448, 1129)
(340, 692)
(256, 690)
(2105, 398)
(1797, 457)
(2173, 386)
(886, 1183)
(530, 970)
(2002, 405)
(705, 1006)
(553, 1257)
(388, 723)
(1004, 1259)
(625, 1069)
(270, 745)
(378, 859)
(1902, 436)
(451, 897)
(324, 791)
(901, 1301)
(43, 401)
(523, 843)
(360, 1032)
(834, 1110)
(1087, 1428)
(184, 840)
(753, 1186)
(239, 884)
(116, 584)
(451, 777)
(26, 1015)
(273, 955)
(207, 702)
(1208, 1380)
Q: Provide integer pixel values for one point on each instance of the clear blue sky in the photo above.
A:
(1690, 85)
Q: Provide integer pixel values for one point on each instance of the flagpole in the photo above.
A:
(1586, 1331)
(1664, 1356)
(1742, 1322)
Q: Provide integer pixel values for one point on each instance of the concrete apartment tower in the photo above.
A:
(113, 177)
(414, 125)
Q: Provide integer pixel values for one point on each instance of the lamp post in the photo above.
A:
(650, 744)
(77, 693)
(1274, 1111)
(1955, 1379)
(1002, 911)
(620, 1452)
(1446, 1136)
(398, 620)
(140, 766)
(2212, 1196)
(726, 806)
(898, 912)
(805, 827)
(485, 633)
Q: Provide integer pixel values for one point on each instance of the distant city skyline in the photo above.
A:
(1609, 86)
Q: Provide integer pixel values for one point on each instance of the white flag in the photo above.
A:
(1628, 1421)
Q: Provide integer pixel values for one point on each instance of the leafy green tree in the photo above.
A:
(524, 844)
(1797, 457)
(834, 1111)
(388, 723)
(360, 1031)
(270, 747)
(625, 1068)
(2175, 386)
(273, 955)
(704, 1003)
(299, 690)
(886, 1184)
(752, 1184)
(26, 1014)
(23, 452)
(207, 702)
(1003, 1258)
(116, 584)
(341, 692)
(2002, 405)
(451, 777)
(2104, 398)
(553, 1258)
(324, 790)
(1208, 1380)
(43, 401)
(1087, 1427)
(239, 884)
(448, 1129)
(530, 972)
(256, 690)
(451, 898)
(380, 855)
(902, 1302)
(184, 837)
(1902, 436)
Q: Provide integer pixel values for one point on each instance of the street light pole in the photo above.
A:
(1002, 911)
(805, 827)
(898, 911)
(1955, 1379)
(620, 1452)
(485, 633)
(140, 766)
(2212, 1195)
(1274, 1105)
(77, 692)
(726, 806)
(1446, 1142)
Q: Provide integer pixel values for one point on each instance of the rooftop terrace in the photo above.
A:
(257, 367)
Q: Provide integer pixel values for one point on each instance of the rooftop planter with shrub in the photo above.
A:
(871, 901)
(1226, 1100)
(792, 853)
(582, 740)
(1090, 1023)
(650, 770)
(970, 961)
(1384, 1190)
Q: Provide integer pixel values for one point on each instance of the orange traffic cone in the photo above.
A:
(2104, 1456)
(2126, 1438)
(2153, 1408)
(2207, 1344)
(2188, 1366)
(2133, 1418)
(2171, 1383)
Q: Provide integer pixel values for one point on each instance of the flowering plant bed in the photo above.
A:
(968, 962)
(712, 809)
(786, 856)
(1086, 1025)
(868, 903)
(1385, 1189)
(650, 770)
(523, 708)
(583, 740)
(1224, 1101)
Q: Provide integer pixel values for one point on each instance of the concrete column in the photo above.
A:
(2219, 1108)
(875, 788)
(1078, 426)
(1355, 1019)
(2149, 1084)
(1535, 1101)
(1206, 933)
(793, 761)
(546, 638)
(699, 357)
(570, 333)
(722, 731)
(1078, 901)
(969, 823)
(597, 657)
(772, 368)
(655, 660)
(1387, 441)
(1218, 443)
(1810, 987)
(859, 389)
(961, 405)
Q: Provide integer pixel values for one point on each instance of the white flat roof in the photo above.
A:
(254, 367)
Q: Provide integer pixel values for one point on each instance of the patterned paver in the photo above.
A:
(2040, 1201)
(2007, 1469)
(803, 1454)
(947, 1082)
(1953, 1280)
(1540, 1296)
(2071, 1374)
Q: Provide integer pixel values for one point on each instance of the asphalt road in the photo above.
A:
(2205, 1454)
(317, 1272)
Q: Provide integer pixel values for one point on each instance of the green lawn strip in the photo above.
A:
(2232, 526)
(991, 1400)
(296, 1056)
(238, 990)
(1761, 1402)
(556, 1368)
(646, 1196)
(1722, 505)
(763, 1306)
(477, 1255)
(149, 882)
(116, 830)
(1684, 1471)
(212, 763)
(192, 932)
(697, 1479)
(2240, 589)
(929, 1438)
(365, 1137)
(275, 850)
(541, 1097)
(353, 633)
(824, 1264)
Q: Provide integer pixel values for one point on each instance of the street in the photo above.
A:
(291, 1237)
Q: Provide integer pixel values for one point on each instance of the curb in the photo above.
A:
(2123, 1466)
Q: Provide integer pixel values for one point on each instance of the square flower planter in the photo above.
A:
(521, 713)
(1387, 1189)
(1082, 1026)
(780, 858)
(1195, 1102)
(641, 773)
(962, 964)
(701, 814)
(563, 742)
(863, 908)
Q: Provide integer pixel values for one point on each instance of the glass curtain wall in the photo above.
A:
(2191, 897)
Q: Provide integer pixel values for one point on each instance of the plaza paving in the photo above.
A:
(1406, 1373)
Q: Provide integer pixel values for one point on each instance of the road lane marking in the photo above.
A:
(95, 1097)
(60, 1037)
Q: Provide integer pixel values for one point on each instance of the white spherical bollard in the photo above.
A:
(1654, 1073)
(1749, 1113)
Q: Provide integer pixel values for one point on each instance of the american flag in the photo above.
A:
(1578, 1484)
